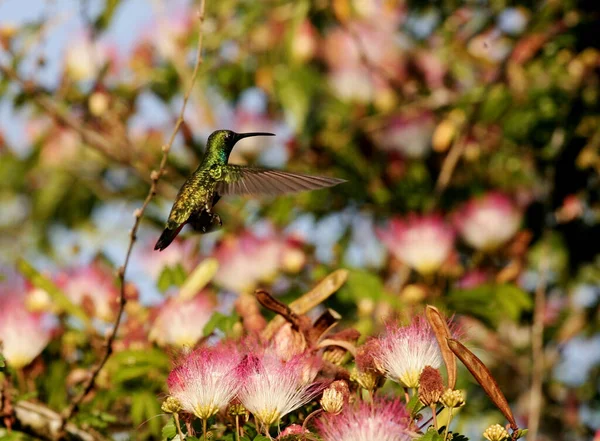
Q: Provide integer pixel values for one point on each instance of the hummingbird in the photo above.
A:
(215, 178)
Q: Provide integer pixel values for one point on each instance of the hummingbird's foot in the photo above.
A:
(206, 222)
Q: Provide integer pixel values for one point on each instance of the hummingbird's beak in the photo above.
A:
(239, 136)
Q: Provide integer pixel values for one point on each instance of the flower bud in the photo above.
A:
(98, 103)
(335, 397)
(495, 433)
(369, 380)
(171, 405)
(431, 386)
(452, 398)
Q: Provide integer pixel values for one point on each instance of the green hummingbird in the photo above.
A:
(214, 178)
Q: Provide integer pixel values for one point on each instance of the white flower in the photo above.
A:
(381, 420)
(421, 242)
(273, 388)
(206, 380)
(488, 222)
(181, 322)
(23, 334)
(404, 352)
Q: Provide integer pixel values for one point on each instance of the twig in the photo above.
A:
(154, 176)
(537, 348)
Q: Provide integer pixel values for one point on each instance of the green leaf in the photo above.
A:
(169, 430)
(220, 321)
(261, 438)
(129, 373)
(521, 433)
(490, 302)
(295, 89)
(164, 280)
(414, 405)
(104, 19)
(171, 276)
(361, 284)
(58, 297)
(2, 362)
(431, 435)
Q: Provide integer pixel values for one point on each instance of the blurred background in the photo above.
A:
(469, 133)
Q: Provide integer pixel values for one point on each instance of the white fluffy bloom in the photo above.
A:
(488, 222)
(206, 380)
(405, 351)
(273, 388)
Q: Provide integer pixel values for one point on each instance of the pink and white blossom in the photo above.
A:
(23, 334)
(205, 380)
(382, 420)
(91, 287)
(487, 222)
(248, 259)
(273, 388)
(181, 322)
(404, 352)
(408, 134)
(421, 242)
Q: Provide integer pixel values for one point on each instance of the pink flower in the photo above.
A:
(409, 134)
(92, 288)
(273, 388)
(181, 322)
(23, 334)
(473, 279)
(180, 252)
(421, 242)
(404, 352)
(205, 380)
(488, 222)
(382, 420)
(293, 429)
(248, 259)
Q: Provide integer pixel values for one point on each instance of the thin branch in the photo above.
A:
(154, 176)
(537, 347)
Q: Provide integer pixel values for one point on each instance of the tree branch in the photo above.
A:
(154, 176)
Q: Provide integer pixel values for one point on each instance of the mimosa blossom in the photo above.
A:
(381, 420)
(92, 288)
(487, 222)
(248, 259)
(421, 242)
(273, 388)
(181, 322)
(404, 352)
(23, 334)
(205, 380)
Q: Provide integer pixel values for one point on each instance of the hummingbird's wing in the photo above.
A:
(249, 180)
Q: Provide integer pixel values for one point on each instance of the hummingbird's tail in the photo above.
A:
(166, 238)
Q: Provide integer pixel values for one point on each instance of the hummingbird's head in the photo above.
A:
(224, 140)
